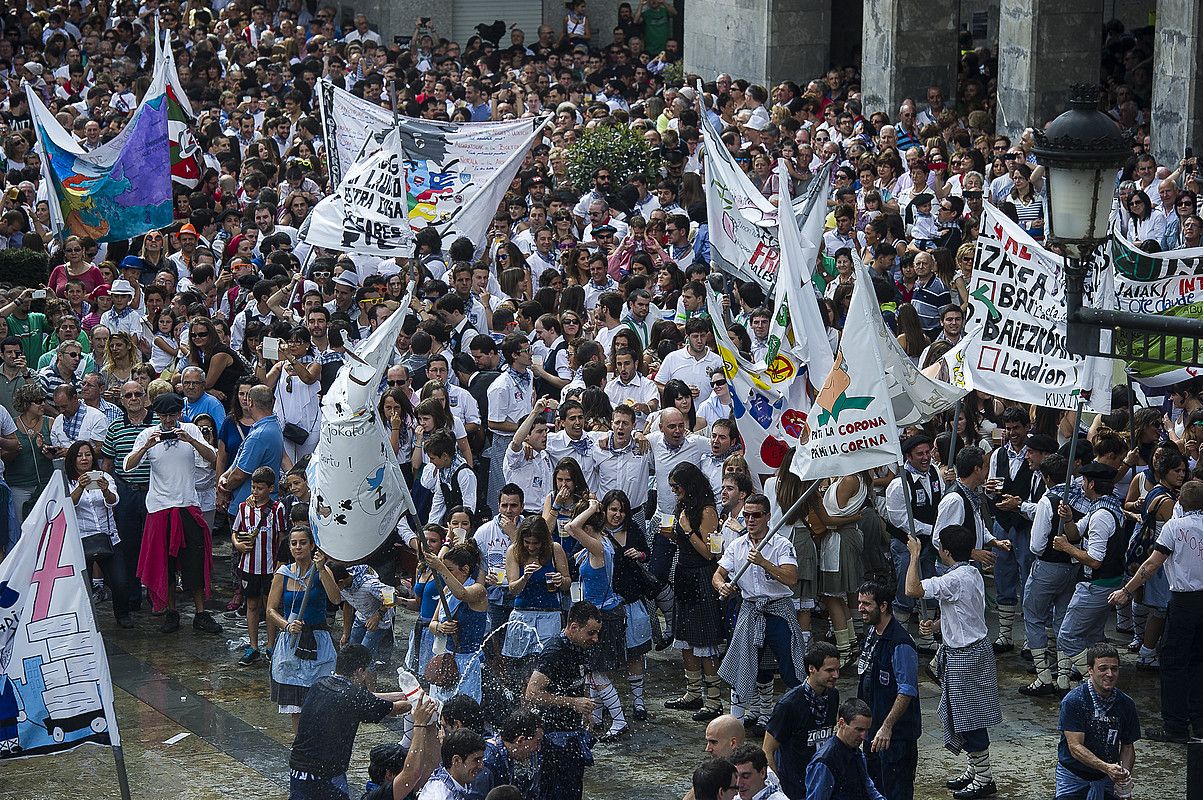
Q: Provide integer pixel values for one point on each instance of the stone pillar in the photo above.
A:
(907, 46)
(762, 41)
(1044, 46)
(1177, 71)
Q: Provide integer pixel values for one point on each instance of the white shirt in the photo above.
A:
(1100, 527)
(94, 427)
(94, 512)
(8, 427)
(463, 405)
(559, 447)
(896, 505)
(1180, 537)
(1044, 524)
(175, 469)
(510, 399)
(640, 390)
(692, 449)
(539, 264)
(681, 365)
(756, 583)
(962, 597)
(130, 322)
(532, 476)
(438, 506)
(626, 469)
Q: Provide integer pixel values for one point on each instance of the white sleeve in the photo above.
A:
(1042, 525)
(949, 512)
(467, 486)
(471, 409)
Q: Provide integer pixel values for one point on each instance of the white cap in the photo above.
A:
(122, 286)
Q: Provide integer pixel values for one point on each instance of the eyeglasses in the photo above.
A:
(132, 395)
(400, 382)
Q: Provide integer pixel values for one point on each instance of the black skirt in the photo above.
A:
(699, 615)
(610, 652)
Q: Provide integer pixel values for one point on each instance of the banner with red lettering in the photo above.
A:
(1014, 344)
(55, 688)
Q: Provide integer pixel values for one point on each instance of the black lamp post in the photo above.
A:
(1081, 151)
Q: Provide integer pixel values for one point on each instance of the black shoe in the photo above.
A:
(1037, 689)
(1002, 647)
(1124, 631)
(1162, 735)
(707, 714)
(614, 736)
(931, 673)
(639, 714)
(204, 623)
(956, 784)
(125, 622)
(171, 621)
(681, 704)
(1026, 654)
(663, 645)
(753, 728)
(987, 789)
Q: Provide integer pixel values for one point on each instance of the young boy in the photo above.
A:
(448, 477)
(256, 534)
(367, 608)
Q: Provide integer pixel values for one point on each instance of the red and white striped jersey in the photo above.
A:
(269, 524)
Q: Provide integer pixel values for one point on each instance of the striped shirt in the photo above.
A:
(268, 523)
(928, 299)
(119, 443)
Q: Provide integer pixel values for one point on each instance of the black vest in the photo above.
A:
(542, 387)
(453, 494)
(1020, 486)
(924, 508)
(878, 685)
(1113, 556)
(847, 766)
(1049, 553)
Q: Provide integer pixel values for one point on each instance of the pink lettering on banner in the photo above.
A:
(50, 570)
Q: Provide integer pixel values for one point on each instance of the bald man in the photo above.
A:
(724, 735)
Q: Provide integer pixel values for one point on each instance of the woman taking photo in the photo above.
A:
(294, 379)
(296, 605)
(94, 497)
(537, 573)
(460, 621)
(699, 627)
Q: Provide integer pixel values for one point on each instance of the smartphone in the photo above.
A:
(98, 475)
(402, 41)
(168, 436)
(39, 294)
(271, 348)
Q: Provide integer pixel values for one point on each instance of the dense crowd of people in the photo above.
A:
(566, 426)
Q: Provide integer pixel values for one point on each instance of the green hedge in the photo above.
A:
(21, 267)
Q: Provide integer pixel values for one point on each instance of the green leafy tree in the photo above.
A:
(621, 150)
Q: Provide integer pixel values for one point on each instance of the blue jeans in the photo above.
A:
(1011, 569)
(778, 638)
(902, 560)
(369, 639)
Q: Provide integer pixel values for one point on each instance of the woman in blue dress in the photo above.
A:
(425, 601)
(296, 605)
(537, 570)
(630, 551)
(459, 625)
(596, 562)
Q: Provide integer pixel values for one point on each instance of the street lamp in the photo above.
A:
(1081, 151)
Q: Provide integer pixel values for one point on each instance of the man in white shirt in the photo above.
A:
(914, 502)
(177, 453)
(77, 422)
(622, 464)
(494, 539)
(571, 440)
(692, 363)
(510, 399)
(607, 317)
(463, 753)
(543, 256)
(362, 32)
(554, 373)
(631, 388)
(463, 404)
(527, 464)
(723, 445)
(962, 506)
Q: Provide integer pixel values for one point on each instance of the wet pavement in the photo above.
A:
(195, 726)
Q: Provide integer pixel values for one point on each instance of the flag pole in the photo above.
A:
(1073, 449)
(122, 777)
(910, 516)
(780, 524)
(952, 440)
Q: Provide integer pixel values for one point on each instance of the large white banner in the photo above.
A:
(1168, 284)
(367, 213)
(55, 690)
(457, 173)
(359, 493)
(742, 221)
(1014, 344)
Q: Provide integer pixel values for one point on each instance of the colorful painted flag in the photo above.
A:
(186, 158)
(55, 690)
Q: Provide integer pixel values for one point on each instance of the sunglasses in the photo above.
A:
(401, 382)
(716, 384)
(754, 514)
(132, 395)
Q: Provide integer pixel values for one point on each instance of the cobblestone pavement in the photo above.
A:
(237, 745)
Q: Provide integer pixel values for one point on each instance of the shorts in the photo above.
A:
(255, 585)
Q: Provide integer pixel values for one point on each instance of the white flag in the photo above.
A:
(55, 688)
(368, 212)
(358, 490)
(1014, 343)
(795, 306)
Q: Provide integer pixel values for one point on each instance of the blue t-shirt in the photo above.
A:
(1104, 734)
(205, 404)
(263, 447)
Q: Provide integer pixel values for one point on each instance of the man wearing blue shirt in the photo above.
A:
(196, 400)
(839, 771)
(262, 447)
(889, 684)
(1099, 727)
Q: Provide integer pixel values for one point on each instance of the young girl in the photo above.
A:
(461, 617)
(537, 572)
(165, 347)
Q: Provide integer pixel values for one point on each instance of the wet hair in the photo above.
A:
(462, 742)
(958, 541)
(1100, 650)
(854, 707)
(352, 658)
(466, 711)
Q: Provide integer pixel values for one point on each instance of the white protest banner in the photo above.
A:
(768, 404)
(1015, 331)
(55, 690)
(457, 172)
(366, 214)
(742, 221)
(851, 426)
(1168, 284)
(359, 493)
(795, 305)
